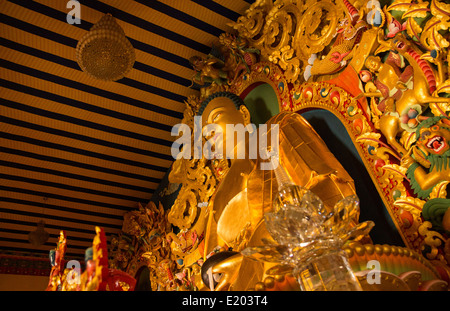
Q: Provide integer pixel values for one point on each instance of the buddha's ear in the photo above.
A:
(245, 114)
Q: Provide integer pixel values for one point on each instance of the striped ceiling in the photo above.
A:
(79, 152)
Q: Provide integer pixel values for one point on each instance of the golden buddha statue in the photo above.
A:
(236, 210)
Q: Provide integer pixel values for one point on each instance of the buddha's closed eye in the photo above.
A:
(216, 116)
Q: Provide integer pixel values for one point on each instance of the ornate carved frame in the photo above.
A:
(267, 26)
(285, 33)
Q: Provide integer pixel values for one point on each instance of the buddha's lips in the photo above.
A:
(436, 143)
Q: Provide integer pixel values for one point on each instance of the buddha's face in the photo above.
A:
(222, 111)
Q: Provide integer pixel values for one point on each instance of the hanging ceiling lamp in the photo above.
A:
(38, 236)
(104, 52)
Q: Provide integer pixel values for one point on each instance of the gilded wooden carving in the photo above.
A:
(384, 73)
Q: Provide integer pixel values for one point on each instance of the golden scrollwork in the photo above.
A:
(288, 32)
(197, 180)
(198, 184)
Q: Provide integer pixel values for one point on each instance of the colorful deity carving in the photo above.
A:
(97, 276)
(57, 262)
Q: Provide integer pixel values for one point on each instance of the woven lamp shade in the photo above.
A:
(104, 52)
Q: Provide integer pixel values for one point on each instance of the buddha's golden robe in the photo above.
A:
(309, 163)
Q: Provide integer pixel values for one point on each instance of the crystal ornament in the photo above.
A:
(309, 239)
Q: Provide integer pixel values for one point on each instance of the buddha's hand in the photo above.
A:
(222, 270)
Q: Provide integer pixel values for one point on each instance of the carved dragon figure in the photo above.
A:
(349, 34)
(430, 167)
